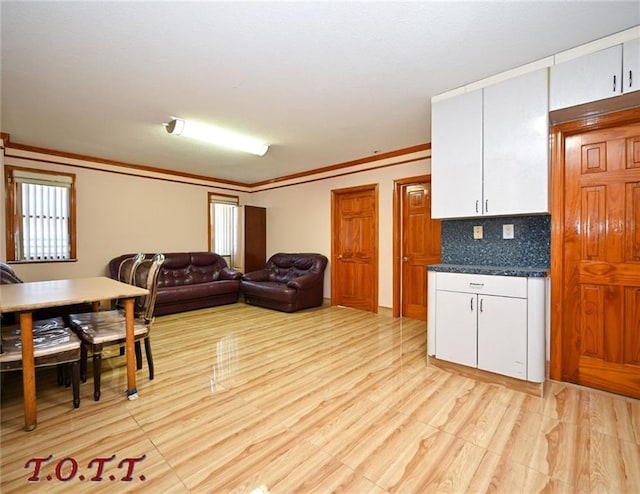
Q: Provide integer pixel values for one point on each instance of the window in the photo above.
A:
(40, 215)
(223, 218)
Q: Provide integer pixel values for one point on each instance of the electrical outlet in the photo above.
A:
(477, 232)
(507, 231)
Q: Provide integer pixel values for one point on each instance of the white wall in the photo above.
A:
(299, 217)
(119, 213)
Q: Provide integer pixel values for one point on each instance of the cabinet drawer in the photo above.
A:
(507, 286)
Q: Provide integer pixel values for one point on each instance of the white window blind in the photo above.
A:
(44, 210)
(224, 219)
(225, 228)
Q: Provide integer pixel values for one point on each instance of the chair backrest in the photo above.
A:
(8, 275)
(146, 276)
(128, 267)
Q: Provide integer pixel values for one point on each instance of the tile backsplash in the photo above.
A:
(530, 247)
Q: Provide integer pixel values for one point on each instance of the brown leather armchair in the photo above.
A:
(288, 282)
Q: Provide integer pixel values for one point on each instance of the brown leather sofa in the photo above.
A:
(190, 280)
(288, 282)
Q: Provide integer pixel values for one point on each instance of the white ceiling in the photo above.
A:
(323, 82)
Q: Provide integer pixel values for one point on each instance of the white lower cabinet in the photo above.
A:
(502, 335)
(457, 312)
(494, 323)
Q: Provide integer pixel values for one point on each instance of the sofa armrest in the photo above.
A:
(260, 275)
(305, 281)
(230, 274)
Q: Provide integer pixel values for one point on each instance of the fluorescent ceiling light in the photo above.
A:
(217, 136)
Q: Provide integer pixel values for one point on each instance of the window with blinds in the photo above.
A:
(40, 216)
(223, 220)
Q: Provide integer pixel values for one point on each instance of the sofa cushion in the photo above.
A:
(271, 290)
(195, 290)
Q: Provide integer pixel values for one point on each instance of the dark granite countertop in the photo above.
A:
(491, 270)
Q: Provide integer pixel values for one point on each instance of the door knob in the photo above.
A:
(405, 259)
(339, 256)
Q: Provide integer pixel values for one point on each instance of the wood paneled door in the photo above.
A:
(354, 247)
(596, 253)
(416, 245)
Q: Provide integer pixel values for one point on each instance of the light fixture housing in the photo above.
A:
(217, 136)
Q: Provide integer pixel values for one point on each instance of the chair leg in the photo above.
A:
(83, 363)
(97, 367)
(138, 355)
(75, 382)
(68, 378)
(147, 349)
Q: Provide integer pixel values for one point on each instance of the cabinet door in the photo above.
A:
(588, 78)
(516, 143)
(631, 66)
(456, 327)
(502, 335)
(456, 156)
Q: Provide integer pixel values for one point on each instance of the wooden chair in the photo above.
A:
(128, 267)
(53, 344)
(100, 329)
(126, 270)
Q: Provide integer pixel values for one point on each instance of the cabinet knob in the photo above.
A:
(471, 304)
(339, 256)
(630, 78)
(405, 259)
(614, 83)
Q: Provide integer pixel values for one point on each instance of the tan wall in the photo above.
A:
(3, 228)
(119, 213)
(299, 217)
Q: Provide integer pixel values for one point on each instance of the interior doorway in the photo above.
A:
(354, 247)
(416, 244)
(595, 275)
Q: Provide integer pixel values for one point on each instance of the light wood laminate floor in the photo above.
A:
(325, 400)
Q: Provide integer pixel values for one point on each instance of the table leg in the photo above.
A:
(132, 391)
(28, 371)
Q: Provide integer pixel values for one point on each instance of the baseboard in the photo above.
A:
(530, 388)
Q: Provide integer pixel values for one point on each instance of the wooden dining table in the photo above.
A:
(24, 298)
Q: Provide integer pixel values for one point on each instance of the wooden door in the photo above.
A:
(354, 250)
(599, 310)
(255, 238)
(420, 239)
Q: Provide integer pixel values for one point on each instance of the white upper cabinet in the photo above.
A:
(516, 143)
(490, 150)
(631, 66)
(595, 76)
(456, 156)
(490, 139)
